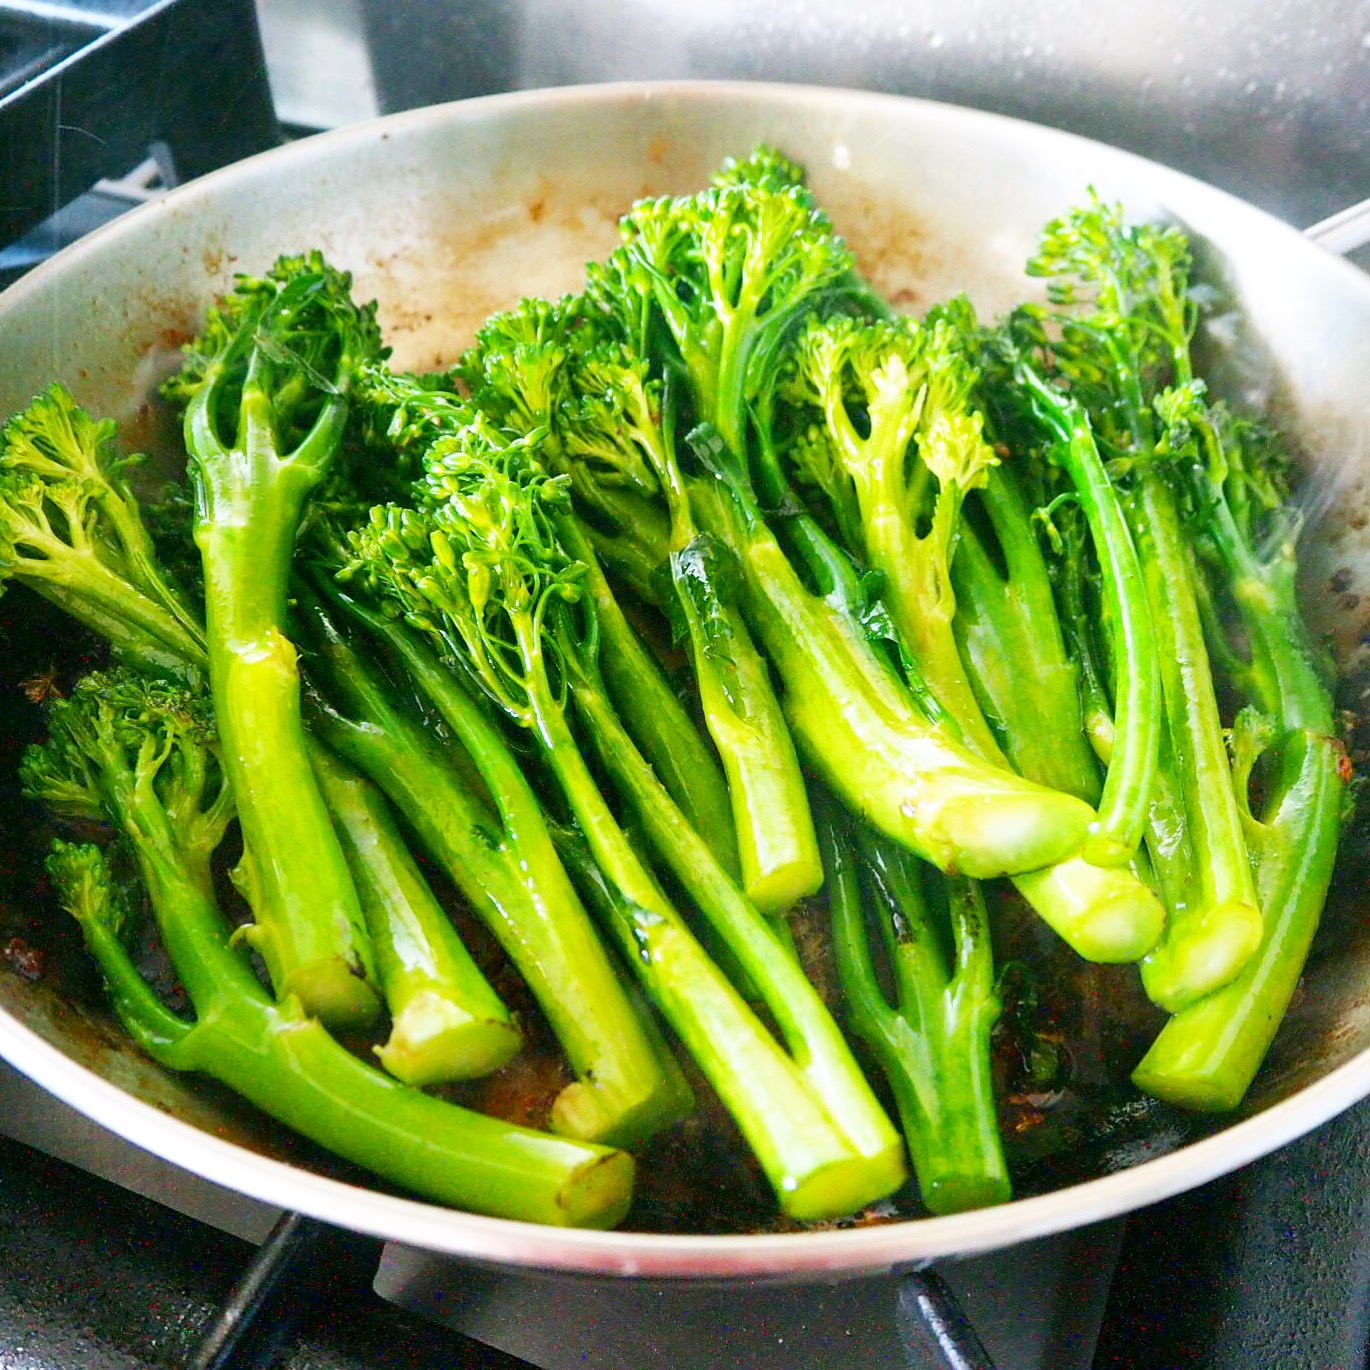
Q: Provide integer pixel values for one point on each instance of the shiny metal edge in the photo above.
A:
(790, 1255)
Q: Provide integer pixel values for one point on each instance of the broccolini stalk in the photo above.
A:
(487, 831)
(143, 754)
(447, 1023)
(71, 530)
(1138, 706)
(1125, 321)
(606, 432)
(897, 434)
(481, 568)
(1219, 927)
(1014, 649)
(721, 279)
(1234, 497)
(770, 807)
(1012, 641)
(521, 396)
(883, 750)
(751, 945)
(933, 1042)
(1169, 850)
(1080, 613)
(668, 737)
(265, 393)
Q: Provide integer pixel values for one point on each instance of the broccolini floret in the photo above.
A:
(71, 530)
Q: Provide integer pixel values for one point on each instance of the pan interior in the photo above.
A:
(446, 215)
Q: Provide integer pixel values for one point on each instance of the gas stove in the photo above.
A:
(86, 90)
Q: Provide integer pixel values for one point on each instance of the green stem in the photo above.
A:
(626, 1088)
(770, 805)
(654, 714)
(934, 1047)
(142, 632)
(292, 1069)
(862, 733)
(153, 1026)
(813, 1166)
(1207, 1055)
(765, 958)
(1137, 709)
(309, 925)
(771, 824)
(1103, 913)
(1011, 642)
(127, 636)
(1212, 937)
(917, 582)
(447, 1023)
(287, 1064)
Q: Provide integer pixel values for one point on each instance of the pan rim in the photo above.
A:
(794, 1255)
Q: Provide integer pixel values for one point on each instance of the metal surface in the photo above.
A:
(1344, 231)
(1266, 98)
(1034, 1306)
(446, 214)
(321, 75)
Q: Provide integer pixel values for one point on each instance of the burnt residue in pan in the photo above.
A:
(43, 653)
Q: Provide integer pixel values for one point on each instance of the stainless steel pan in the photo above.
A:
(446, 214)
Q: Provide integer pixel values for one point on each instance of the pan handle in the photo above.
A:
(933, 1328)
(1344, 231)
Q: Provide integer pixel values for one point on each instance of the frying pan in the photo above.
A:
(449, 213)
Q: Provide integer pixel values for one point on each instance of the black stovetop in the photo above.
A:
(93, 1277)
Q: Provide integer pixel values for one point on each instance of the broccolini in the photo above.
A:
(265, 391)
(143, 756)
